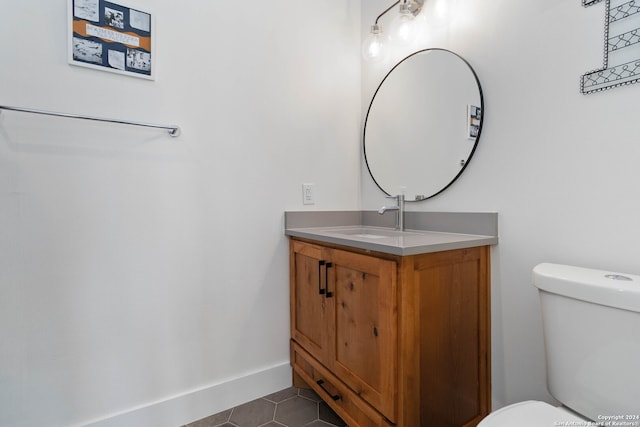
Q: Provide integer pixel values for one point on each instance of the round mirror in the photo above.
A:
(423, 124)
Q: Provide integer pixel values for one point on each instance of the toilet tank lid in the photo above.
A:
(607, 288)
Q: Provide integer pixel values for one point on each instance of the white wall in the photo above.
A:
(558, 166)
(136, 268)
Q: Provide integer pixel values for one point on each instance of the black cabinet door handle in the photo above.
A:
(320, 265)
(326, 279)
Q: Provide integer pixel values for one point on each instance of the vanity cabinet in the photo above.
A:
(392, 340)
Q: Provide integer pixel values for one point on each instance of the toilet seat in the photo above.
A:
(529, 414)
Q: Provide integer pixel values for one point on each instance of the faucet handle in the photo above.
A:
(398, 197)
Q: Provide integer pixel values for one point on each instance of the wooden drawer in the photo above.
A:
(351, 408)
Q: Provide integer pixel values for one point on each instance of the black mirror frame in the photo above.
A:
(475, 145)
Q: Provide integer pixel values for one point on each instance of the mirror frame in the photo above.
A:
(475, 145)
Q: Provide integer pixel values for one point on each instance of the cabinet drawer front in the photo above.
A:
(353, 410)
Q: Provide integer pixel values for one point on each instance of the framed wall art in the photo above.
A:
(112, 37)
(474, 114)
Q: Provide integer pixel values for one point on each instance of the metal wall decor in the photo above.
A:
(621, 47)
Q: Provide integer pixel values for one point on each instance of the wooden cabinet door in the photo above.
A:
(364, 296)
(312, 320)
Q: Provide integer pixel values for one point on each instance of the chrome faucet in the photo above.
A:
(399, 207)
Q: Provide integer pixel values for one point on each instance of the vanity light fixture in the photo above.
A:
(402, 30)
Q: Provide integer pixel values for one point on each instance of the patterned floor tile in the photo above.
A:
(291, 407)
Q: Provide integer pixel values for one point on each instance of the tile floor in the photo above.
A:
(291, 407)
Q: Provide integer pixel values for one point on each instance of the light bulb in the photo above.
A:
(402, 28)
(445, 10)
(373, 48)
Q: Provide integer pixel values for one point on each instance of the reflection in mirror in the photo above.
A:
(423, 124)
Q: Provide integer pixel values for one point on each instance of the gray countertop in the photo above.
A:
(426, 231)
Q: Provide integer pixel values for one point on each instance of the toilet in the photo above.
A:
(591, 325)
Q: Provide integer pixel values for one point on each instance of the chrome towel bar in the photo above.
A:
(173, 130)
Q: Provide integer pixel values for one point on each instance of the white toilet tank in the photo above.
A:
(591, 322)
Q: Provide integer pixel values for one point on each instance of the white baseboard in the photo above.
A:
(191, 406)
